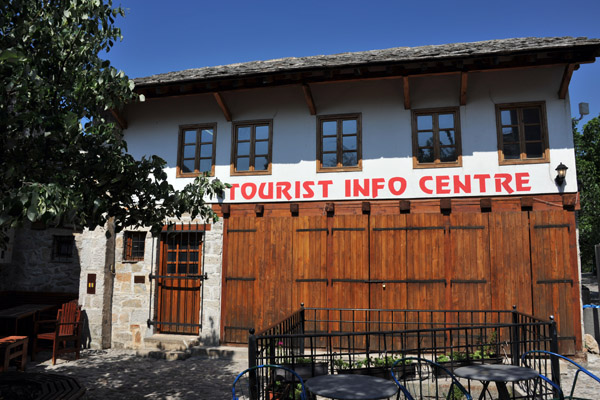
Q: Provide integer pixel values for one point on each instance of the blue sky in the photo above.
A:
(161, 36)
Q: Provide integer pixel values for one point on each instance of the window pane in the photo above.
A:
(531, 115)
(189, 151)
(425, 155)
(329, 128)
(244, 133)
(349, 158)
(206, 150)
(206, 165)
(188, 166)
(511, 151)
(170, 268)
(510, 134)
(425, 139)
(193, 269)
(448, 154)
(446, 121)
(194, 256)
(329, 160)
(509, 117)
(261, 163)
(182, 269)
(349, 142)
(171, 256)
(207, 135)
(534, 150)
(189, 136)
(424, 122)
(447, 137)
(533, 132)
(243, 164)
(243, 149)
(261, 148)
(329, 143)
(349, 126)
(182, 256)
(262, 132)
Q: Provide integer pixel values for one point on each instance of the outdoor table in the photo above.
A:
(15, 314)
(351, 387)
(499, 373)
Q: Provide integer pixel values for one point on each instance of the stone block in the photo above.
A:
(134, 303)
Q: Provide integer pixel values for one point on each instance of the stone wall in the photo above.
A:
(32, 267)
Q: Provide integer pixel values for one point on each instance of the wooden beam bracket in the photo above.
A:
(308, 97)
(366, 207)
(485, 204)
(463, 88)
(446, 206)
(404, 206)
(566, 79)
(294, 209)
(259, 209)
(119, 118)
(223, 106)
(406, 86)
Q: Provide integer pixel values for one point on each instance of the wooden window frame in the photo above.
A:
(543, 127)
(128, 239)
(57, 248)
(234, 146)
(339, 150)
(198, 145)
(437, 163)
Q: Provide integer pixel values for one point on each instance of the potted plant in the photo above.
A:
(306, 367)
(374, 366)
(281, 389)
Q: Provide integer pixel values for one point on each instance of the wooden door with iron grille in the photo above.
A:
(179, 283)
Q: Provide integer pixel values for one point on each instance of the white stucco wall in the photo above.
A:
(386, 134)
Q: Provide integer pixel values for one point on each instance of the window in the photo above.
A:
(62, 248)
(339, 143)
(436, 138)
(251, 150)
(522, 133)
(196, 152)
(183, 252)
(134, 244)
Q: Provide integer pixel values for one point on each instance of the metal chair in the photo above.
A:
(268, 381)
(420, 378)
(548, 385)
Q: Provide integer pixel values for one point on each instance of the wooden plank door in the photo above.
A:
(388, 288)
(273, 286)
(348, 271)
(179, 283)
(555, 280)
(470, 282)
(510, 261)
(243, 256)
(310, 267)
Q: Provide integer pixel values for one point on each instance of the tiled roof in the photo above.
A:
(373, 57)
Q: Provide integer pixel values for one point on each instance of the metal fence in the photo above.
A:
(320, 340)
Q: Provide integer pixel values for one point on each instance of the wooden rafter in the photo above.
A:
(223, 106)
(406, 93)
(566, 79)
(463, 88)
(309, 99)
(121, 121)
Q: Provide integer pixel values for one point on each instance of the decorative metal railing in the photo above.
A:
(321, 340)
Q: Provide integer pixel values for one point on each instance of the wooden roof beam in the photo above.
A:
(223, 106)
(566, 79)
(463, 88)
(406, 93)
(309, 99)
(119, 118)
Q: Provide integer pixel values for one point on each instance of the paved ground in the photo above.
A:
(120, 374)
(590, 281)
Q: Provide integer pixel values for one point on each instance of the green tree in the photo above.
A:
(587, 153)
(54, 168)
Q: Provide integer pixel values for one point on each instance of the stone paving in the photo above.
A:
(121, 374)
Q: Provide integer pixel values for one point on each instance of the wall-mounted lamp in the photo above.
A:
(584, 109)
(561, 173)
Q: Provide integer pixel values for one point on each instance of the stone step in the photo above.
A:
(170, 342)
(233, 353)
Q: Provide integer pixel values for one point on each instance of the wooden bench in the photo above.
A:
(13, 347)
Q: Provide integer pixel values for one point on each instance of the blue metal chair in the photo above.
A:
(420, 378)
(268, 381)
(529, 359)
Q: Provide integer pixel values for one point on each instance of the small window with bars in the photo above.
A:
(62, 248)
(183, 253)
(134, 246)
